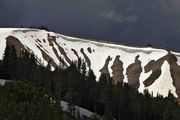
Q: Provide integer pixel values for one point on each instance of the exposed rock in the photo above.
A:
(40, 45)
(13, 41)
(56, 53)
(38, 40)
(86, 58)
(46, 51)
(133, 73)
(59, 58)
(44, 40)
(51, 39)
(148, 67)
(63, 53)
(155, 67)
(175, 73)
(48, 58)
(89, 50)
(75, 52)
(117, 70)
(105, 70)
(152, 78)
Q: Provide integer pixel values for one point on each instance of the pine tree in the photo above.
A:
(92, 91)
(84, 70)
(32, 69)
(6, 63)
(1, 70)
(103, 81)
(170, 97)
(95, 117)
(79, 63)
(13, 61)
(23, 100)
(167, 115)
(23, 67)
(71, 112)
(48, 80)
(9, 63)
(106, 99)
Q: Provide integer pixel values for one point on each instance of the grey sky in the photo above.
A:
(140, 22)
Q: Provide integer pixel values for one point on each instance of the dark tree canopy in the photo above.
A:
(31, 86)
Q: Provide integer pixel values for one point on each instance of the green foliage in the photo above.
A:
(9, 63)
(22, 100)
(1, 69)
(95, 117)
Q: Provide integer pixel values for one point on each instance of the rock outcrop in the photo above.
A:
(117, 70)
(105, 70)
(133, 73)
(86, 58)
(155, 67)
(13, 41)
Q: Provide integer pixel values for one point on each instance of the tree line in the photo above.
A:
(78, 86)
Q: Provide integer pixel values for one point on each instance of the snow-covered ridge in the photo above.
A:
(95, 53)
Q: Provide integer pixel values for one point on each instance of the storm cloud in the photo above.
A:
(155, 22)
(11, 12)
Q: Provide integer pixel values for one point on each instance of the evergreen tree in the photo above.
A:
(84, 70)
(9, 63)
(71, 112)
(95, 117)
(79, 63)
(23, 67)
(33, 69)
(78, 87)
(13, 63)
(167, 115)
(103, 81)
(92, 92)
(6, 63)
(1, 70)
(22, 100)
(48, 83)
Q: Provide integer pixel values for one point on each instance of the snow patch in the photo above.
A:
(83, 112)
(2, 82)
(164, 83)
(31, 38)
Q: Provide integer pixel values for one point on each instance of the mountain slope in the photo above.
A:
(149, 68)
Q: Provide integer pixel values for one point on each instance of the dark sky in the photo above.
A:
(141, 22)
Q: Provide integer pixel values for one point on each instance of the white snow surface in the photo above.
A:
(82, 111)
(30, 39)
(2, 82)
(163, 84)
